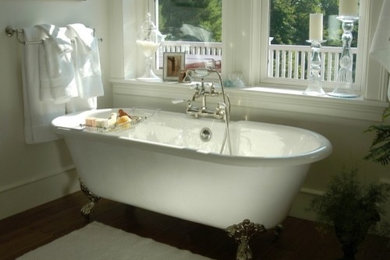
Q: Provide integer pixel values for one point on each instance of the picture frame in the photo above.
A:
(173, 64)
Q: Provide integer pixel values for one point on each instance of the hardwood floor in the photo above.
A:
(299, 240)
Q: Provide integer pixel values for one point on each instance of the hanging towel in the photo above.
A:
(380, 47)
(56, 59)
(86, 61)
(81, 104)
(38, 113)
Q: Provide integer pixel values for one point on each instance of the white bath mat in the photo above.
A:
(98, 241)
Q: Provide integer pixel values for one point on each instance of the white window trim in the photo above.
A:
(262, 98)
(243, 54)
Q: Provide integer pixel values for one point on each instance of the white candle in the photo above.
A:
(349, 8)
(315, 28)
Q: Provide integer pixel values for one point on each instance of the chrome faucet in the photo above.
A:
(202, 92)
(222, 111)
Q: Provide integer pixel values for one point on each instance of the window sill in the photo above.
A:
(275, 99)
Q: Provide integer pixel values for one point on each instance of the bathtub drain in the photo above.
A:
(205, 134)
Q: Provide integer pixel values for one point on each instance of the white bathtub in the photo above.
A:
(162, 165)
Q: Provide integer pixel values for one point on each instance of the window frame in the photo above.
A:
(245, 54)
(301, 84)
(255, 71)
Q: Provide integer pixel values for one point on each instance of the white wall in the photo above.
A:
(34, 174)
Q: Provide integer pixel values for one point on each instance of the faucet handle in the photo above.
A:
(220, 111)
(213, 90)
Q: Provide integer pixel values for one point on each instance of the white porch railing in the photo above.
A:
(293, 62)
(197, 53)
(193, 48)
(284, 61)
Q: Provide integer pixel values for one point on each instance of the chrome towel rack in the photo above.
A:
(11, 31)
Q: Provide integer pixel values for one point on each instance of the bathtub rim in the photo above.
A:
(198, 154)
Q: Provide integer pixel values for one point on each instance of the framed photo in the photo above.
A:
(174, 62)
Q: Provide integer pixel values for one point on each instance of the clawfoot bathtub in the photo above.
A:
(165, 164)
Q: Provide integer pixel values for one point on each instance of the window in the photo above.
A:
(192, 27)
(246, 50)
(289, 53)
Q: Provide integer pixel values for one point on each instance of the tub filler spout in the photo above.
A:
(202, 93)
(223, 109)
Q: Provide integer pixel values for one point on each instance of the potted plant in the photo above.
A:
(351, 208)
(380, 148)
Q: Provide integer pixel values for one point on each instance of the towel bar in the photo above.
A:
(10, 31)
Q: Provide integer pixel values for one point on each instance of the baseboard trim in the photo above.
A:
(310, 191)
(38, 178)
(40, 190)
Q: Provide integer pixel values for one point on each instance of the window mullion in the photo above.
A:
(374, 77)
(241, 38)
(256, 55)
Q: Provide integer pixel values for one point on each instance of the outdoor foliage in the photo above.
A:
(289, 20)
(202, 15)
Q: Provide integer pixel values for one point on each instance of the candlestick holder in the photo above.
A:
(345, 87)
(314, 87)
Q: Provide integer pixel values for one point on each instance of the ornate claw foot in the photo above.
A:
(87, 208)
(242, 233)
(278, 231)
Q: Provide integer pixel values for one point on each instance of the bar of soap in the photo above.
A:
(90, 121)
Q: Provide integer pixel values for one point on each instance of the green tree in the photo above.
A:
(290, 20)
(303, 9)
(204, 14)
(211, 19)
(283, 20)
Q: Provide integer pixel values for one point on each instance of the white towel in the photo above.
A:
(38, 113)
(56, 59)
(81, 104)
(380, 47)
(86, 60)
